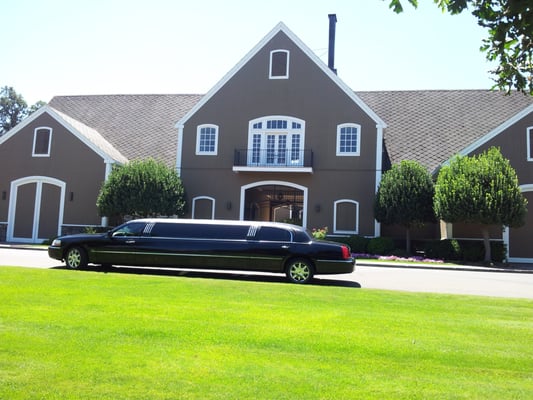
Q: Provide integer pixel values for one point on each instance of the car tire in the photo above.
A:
(299, 270)
(76, 258)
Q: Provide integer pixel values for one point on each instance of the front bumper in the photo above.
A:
(55, 253)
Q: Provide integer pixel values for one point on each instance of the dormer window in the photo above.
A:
(42, 138)
(279, 64)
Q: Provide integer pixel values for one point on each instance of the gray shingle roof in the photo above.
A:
(426, 126)
(139, 126)
(432, 126)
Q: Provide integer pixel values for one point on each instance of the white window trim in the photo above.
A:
(529, 138)
(198, 137)
(335, 205)
(42, 128)
(286, 76)
(289, 131)
(338, 146)
(203, 198)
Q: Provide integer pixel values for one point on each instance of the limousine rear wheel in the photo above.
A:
(76, 258)
(299, 270)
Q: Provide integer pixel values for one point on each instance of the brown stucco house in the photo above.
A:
(280, 137)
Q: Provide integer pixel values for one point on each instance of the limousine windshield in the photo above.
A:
(241, 245)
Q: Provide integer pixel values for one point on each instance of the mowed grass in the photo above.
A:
(90, 335)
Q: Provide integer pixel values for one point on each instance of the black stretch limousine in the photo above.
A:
(188, 243)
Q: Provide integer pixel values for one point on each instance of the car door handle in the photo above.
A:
(130, 241)
(284, 246)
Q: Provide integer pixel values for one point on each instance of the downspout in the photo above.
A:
(379, 166)
(108, 169)
(179, 150)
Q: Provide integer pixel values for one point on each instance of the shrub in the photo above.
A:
(443, 249)
(381, 245)
(358, 244)
(465, 250)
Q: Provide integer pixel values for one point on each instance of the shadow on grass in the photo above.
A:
(211, 274)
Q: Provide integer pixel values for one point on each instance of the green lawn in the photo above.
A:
(90, 335)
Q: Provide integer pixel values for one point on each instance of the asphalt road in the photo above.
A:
(420, 279)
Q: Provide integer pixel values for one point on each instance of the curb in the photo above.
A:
(361, 263)
(447, 267)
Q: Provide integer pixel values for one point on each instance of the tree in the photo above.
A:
(405, 197)
(142, 188)
(510, 38)
(13, 108)
(481, 189)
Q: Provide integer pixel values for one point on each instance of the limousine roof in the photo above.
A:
(218, 222)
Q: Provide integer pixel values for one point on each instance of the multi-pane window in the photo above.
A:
(295, 148)
(276, 141)
(256, 148)
(207, 140)
(41, 142)
(279, 64)
(348, 140)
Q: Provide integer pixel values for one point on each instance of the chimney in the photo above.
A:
(331, 47)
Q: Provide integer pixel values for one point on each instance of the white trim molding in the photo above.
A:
(213, 201)
(39, 181)
(506, 232)
(304, 189)
(335, 205)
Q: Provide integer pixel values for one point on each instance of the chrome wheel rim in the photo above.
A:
(300, 272)
(74, 258)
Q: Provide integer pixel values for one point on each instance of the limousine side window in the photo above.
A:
(133, 229)
(200, 231)
(271, 234)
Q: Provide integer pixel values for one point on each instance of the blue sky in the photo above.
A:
(79, 47)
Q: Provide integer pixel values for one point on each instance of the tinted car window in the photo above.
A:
(301, 237)
(273, 234)
(200, 231)
(131, 229)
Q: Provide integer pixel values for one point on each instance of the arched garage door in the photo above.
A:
(519, 239)
(35, 209)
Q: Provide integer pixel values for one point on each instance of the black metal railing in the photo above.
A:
(273, 158)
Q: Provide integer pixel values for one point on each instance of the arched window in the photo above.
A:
(203, 207)
(42, 139)
(207, 140)
(346, 216)
(348, 139)
(275, 141)
(279, 64)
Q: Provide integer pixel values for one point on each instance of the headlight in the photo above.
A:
(56, 243)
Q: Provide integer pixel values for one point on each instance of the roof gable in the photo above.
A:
(495, 132)
(281, 27)
(431, 126)
(139, 126)
(87, 135)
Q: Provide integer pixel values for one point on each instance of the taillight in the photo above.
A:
(346, 252)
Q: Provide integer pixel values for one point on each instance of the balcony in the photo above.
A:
(271, 160)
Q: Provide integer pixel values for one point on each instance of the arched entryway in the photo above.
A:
(35, 209)
(277, 201)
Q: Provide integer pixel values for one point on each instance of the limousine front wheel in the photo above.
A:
(299, 270)
(76, 258)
